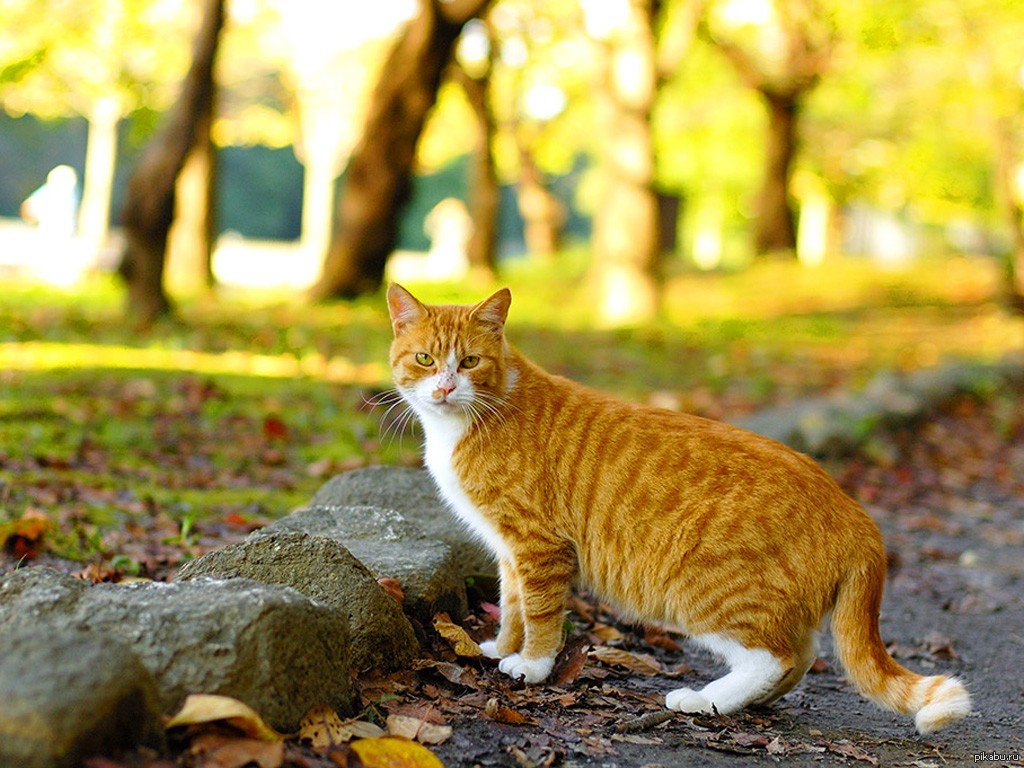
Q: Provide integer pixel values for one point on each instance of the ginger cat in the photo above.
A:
(715, 532)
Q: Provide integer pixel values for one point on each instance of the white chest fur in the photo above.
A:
(443, 434)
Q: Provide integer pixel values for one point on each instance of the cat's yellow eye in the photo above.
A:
(424, 359)
(470, 361)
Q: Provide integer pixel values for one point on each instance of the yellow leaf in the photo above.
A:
(418, 730)
(461, 642)
(202, 708)
(393, 752)
(322, 727)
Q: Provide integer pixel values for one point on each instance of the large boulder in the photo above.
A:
(413, 494)
(71, 693)
(269, 646)
(380, 636)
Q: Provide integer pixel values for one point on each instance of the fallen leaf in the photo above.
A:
(23, 536)
(570, 662)
(322, 727)
(392, 588)
(418, 730)
(850, 750)
(660, 638)
(393, 752)
(634, 662)
(274, 429)
(491, 610)
(203, 708)
(499, 713)
(606, 633)
(453, 673)
(457, 637)
(220, 751)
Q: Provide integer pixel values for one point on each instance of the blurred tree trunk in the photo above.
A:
(484, 192)
(776, 220)
(626, 266)
(100, 164)
(542, 212)
(150, 205)
(783, 75)
(189, 264)
(1009, 198)
(380, 171)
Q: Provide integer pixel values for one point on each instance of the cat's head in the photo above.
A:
(449, 360)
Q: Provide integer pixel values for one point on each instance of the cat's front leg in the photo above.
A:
(545, 578)
(510, 634)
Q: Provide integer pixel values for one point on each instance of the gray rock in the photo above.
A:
(384, 541)
(69, 694)
(411, 493)
(380, 636)
(268, 646)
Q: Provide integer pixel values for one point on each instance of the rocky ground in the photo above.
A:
(947, 490)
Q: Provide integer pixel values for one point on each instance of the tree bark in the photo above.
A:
(149, 208)
(379, 179)
(100, 164)
(807, 48)
(1009, 199)
(626, 266)
(542, 212)
(484, 192)
(776, 229)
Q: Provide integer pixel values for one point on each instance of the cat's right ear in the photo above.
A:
(404, 307)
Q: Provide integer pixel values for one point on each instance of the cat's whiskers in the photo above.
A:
(393, 429)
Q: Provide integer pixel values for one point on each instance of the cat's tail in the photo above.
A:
(934, 701)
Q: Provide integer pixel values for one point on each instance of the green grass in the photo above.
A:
(248, 403)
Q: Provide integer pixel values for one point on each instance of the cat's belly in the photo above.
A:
(438, 458)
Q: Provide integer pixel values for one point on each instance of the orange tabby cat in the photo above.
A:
(726, 536)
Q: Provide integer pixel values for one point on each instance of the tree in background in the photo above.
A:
(472, 68)
(625, 230)
(380, 171)
(149, 209)
(781, 49)
(101, 59)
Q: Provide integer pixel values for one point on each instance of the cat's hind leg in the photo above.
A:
(755, 675)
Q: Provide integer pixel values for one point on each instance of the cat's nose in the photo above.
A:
(442, 391)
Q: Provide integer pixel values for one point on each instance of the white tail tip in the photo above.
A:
(947, 702)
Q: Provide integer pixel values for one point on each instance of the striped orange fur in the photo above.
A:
(726, 536)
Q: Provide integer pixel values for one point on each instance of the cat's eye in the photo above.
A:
(424, 359)
(470, 361)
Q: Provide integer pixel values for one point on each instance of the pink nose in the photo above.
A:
(442, 391)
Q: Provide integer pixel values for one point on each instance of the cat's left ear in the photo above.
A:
(404, 307)
(493, 311)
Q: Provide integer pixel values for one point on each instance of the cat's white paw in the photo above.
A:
(490, 649)
(530, 670)
(688, 700)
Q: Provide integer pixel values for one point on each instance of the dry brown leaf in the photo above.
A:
(502, 714)
(457, 637)
(418, 730)
(570, 662)
(220, 751)
(203, 708)
(606, 633)
(392, 588)
(393, 752)
(322, 727)
(660, 638)
(634, 662)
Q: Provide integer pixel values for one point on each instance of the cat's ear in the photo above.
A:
(493, 311)
(404, 307)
